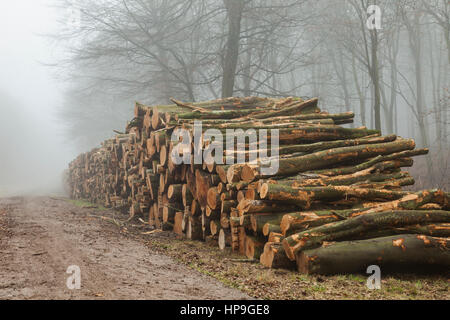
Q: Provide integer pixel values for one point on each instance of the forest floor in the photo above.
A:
(41, 237)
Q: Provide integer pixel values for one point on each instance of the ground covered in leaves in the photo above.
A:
(262, 283)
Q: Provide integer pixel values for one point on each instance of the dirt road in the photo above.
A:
(41, 237)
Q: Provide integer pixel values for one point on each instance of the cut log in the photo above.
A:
(261, 206)
(405, 253)
(213, 198)
(169, 214)
(213, 214)
(275, 237)
(228, 205)
(174, 193)
(258, 221)
(350, 228)
(225, 220)
(327, 145)
(253, 247)
(333, 183)
(321, 159)
(202, 186)
(224, 239)
(195, 209)
(186, 195)
(299, 221)
(178, 223)
(275, 258)
(194, 229)
(441, 230)
(401, 158)
(304, 196)
(215, 227)
(269, 228)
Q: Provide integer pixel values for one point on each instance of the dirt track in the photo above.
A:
(41, 237)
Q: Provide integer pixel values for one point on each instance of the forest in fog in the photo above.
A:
(394, 77)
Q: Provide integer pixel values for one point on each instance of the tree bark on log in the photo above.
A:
(224, 239)
(258, 221)
(269, 228)
(401, 157)
(260, 206)
(275, 237)
(321, 159)
(174, 193)
(253, 247)
(203, 184)
(213, 198)
(187, 196)
(274, 257)
(215, 227)
(213, 214)
(358, 226)
(194, 229)
(296, 222)
(299, 221)
(178, 223)
(405, 253)
(327, 145)
(321, 133)
(303, 197)
(228, 205)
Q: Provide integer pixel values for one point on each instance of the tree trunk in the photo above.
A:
(234, 14)
(405, 253)
(224, 239)
(304, 196)
(253, 247)
(274, 257)
(322, 159)
(375, 75)
(258, 221)
(358, 226)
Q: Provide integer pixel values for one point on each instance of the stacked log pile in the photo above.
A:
(334, 204)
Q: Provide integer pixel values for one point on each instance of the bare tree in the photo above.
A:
(440, 11)
(412, 18)
(151, 50)
(234, 13)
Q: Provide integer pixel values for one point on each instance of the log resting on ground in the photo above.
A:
(405, 253)
(351, 228)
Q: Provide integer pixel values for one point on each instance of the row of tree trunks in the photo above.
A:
(356, 227)
(321, 159)
(332, 184)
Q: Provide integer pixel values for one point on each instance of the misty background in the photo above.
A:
(34, 151)
(72, 69)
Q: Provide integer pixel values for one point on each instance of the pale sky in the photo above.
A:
(24, 78)
(22, 48)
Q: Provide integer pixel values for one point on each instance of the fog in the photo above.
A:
(71, 70)
(34, 152)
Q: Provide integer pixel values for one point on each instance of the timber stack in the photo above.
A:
(333, 204)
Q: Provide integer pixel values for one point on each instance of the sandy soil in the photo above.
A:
(41, 237)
